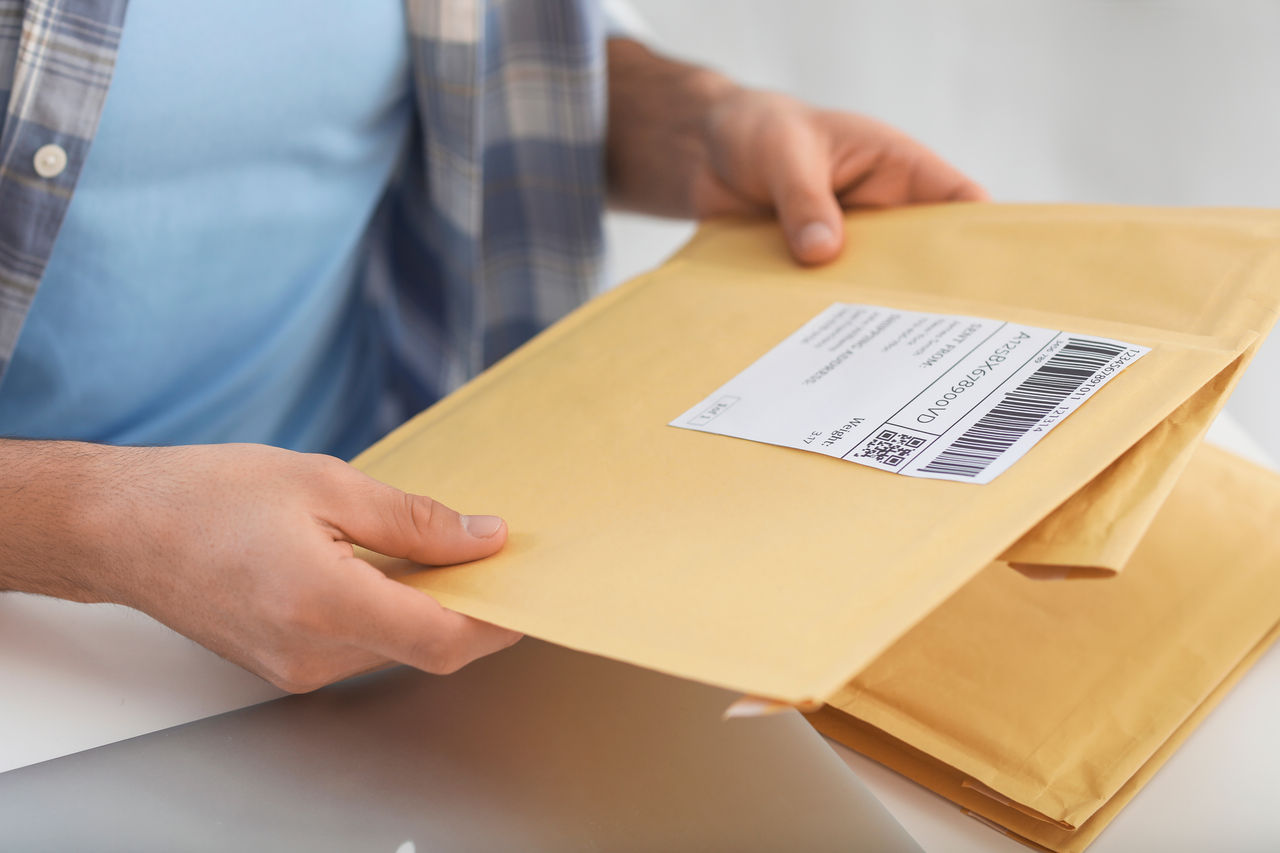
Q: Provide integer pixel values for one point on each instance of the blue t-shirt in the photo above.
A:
(205, 284)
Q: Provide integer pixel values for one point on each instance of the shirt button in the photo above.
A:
(50, 161)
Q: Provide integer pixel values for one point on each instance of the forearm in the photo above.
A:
(658, 128)
(51, 499)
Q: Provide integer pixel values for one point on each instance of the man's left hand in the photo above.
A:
(685, 141)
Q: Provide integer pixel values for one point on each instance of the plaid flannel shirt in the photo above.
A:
(492, 226)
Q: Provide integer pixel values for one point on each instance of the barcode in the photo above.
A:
(1024, 407)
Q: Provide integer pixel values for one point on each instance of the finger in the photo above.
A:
(297, 657)
(800, 184)
(906, 172)
(934, 179)
(316, 669)
(403, 624)
(389, 521)
(969, 191)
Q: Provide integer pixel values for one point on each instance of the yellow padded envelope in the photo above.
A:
(1044, 707)
(774, 571)
(1213, 272)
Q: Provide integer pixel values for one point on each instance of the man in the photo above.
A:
(293, 216)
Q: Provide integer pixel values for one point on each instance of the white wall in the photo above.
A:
(1126, 101)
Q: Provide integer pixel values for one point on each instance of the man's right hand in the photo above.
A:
(246, 549)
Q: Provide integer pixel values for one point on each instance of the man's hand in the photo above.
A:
(684, 141)
(247, 550)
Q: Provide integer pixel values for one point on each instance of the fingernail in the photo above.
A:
(814, 237)
(481, 526)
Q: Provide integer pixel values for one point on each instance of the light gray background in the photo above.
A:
(1126, 101)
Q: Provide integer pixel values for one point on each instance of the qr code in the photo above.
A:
(891, 447)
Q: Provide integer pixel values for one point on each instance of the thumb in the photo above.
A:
(806, 205)
(398, 524)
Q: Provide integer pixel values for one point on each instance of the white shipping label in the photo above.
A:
(927, 395)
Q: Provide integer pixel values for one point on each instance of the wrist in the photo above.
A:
(659, 127)
(60, 510)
